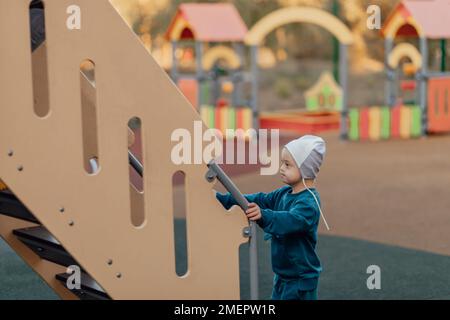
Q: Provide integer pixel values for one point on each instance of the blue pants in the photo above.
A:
(291, 289)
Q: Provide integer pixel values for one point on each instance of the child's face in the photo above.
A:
(290, 174)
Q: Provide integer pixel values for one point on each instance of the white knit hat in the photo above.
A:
(308, 153)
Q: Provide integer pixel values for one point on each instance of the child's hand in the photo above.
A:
(253, 212)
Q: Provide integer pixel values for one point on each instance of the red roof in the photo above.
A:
(211, 22)
(432, 15)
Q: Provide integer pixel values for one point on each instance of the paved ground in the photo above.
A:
(393, 192)
(387, 204)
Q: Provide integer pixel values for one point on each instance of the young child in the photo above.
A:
(290, 217)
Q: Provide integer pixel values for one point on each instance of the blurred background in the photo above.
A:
(293, 56)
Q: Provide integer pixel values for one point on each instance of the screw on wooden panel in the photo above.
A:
(62, 209)
(246, 232)
(119, 275)
(10, 153)
(110, 262)
(20, 168)
(71, 223)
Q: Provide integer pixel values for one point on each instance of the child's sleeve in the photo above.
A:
(300, 218)
(263, 200)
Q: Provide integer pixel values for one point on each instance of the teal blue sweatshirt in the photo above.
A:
(292, 221)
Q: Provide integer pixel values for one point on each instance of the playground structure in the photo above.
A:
(327, 106)
(428, 110)
(55, 212)
(381, 123)
(298, 121)
(409, 85)
(204, 23)
(410, 69)
(218, 69)
(323, 110)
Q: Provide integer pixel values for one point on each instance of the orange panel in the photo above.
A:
(239, 118)
(189, 87)
(299, 122)
(364, 124)
(395, 122)
(439, 105)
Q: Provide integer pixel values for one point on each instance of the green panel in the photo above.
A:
(385, 123)
(205, 90)
(416, 121)
(211, 116)
(353, 133)
(326, 90)
(338, 103)
(232, 118)
(312, 104)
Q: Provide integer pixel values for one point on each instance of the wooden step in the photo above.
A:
(41, 241)
(45, 245)
(12, 207)
(89, 288)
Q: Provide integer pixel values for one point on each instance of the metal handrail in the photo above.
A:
(216, 172)
(135, 163)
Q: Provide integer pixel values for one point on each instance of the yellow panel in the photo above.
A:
(289, 15)
(374, 123)
(221, 52)
(405, 50)
(204, 115)
(248, 117)
(178, 28)
(405, 122)
(247, 122)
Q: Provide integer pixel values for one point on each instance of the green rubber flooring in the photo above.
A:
(405, 273)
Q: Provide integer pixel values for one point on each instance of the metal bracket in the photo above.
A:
(210, 176)
(247, 232)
